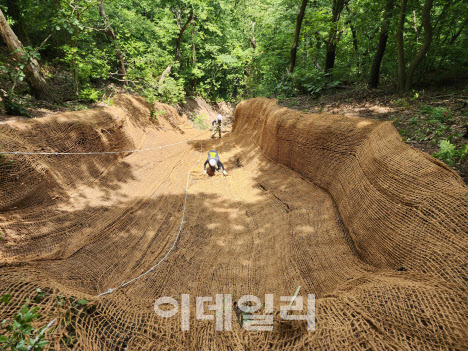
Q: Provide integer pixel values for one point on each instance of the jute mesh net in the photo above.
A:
(340, 206)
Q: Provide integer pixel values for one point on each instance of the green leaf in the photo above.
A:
(82, 302)
(22, 345)
(5, 298)
(42, 343)
(16, 325)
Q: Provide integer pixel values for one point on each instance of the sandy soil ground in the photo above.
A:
(260, 210)
(262, 229)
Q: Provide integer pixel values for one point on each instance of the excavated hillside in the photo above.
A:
(337, 205)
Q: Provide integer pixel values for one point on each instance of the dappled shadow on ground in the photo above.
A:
(263, 229)
(258, 232)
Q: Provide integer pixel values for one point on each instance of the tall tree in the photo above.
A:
(122, 72)
(32, 70)
(300, 17)
(405, 76)
(78, 9)
(14, 11)
(253, 43)
(379, 53)
(400, 46)
(355, 43)
(319, 41)
(338, 6)
(428, 31)
(177, 11)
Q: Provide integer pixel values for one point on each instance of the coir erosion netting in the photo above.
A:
(337, 205)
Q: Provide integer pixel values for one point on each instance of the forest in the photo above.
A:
(83, 51)
(229, 50)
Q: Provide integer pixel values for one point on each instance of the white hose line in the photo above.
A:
(111, 290)
(96, 152)
(40, 334)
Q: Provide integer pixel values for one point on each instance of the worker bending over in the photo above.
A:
(216, 124)
(214, 162)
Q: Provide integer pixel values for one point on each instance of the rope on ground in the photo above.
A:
(111, 290)
(40, 334)
(96, 152)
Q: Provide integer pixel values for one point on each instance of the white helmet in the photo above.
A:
(212, 162)
(219, 117)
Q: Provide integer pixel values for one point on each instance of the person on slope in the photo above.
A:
(214, 163)
(216, 124)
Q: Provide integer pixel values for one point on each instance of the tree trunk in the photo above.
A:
(300, 17)
(74, 65)
(379, 54)
(415, 26)
(318, 45)
(253, 42)
(443, 13)
(178, 55)
(332, 39)
(111, 35)
(36, 81)
(405, 77)
(194, 56)
(426, 23)
(354, 37)
(457, 34)
(194, 48)
(166, 72)
(401, 47)
(18, 28)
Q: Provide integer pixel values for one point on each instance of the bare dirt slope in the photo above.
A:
(293, 211)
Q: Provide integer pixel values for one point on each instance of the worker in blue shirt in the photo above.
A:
(214, 163)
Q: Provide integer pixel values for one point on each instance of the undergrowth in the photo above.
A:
(90, 94)
(450, 154)
(15, 105)
(155, 114)
(430, 123)
(18, 333)
(200, 121)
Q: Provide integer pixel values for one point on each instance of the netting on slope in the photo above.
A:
(400, 206)
(75, 228)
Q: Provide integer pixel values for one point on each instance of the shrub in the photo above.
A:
(200, 121)
(449, 154)
(155, 114)
(172, 91)
(436, 114)
(14, 105)
(90, 94)
(19, 332)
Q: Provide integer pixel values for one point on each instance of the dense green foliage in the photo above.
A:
(450, 154)
(228, 49)
(20, 334)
